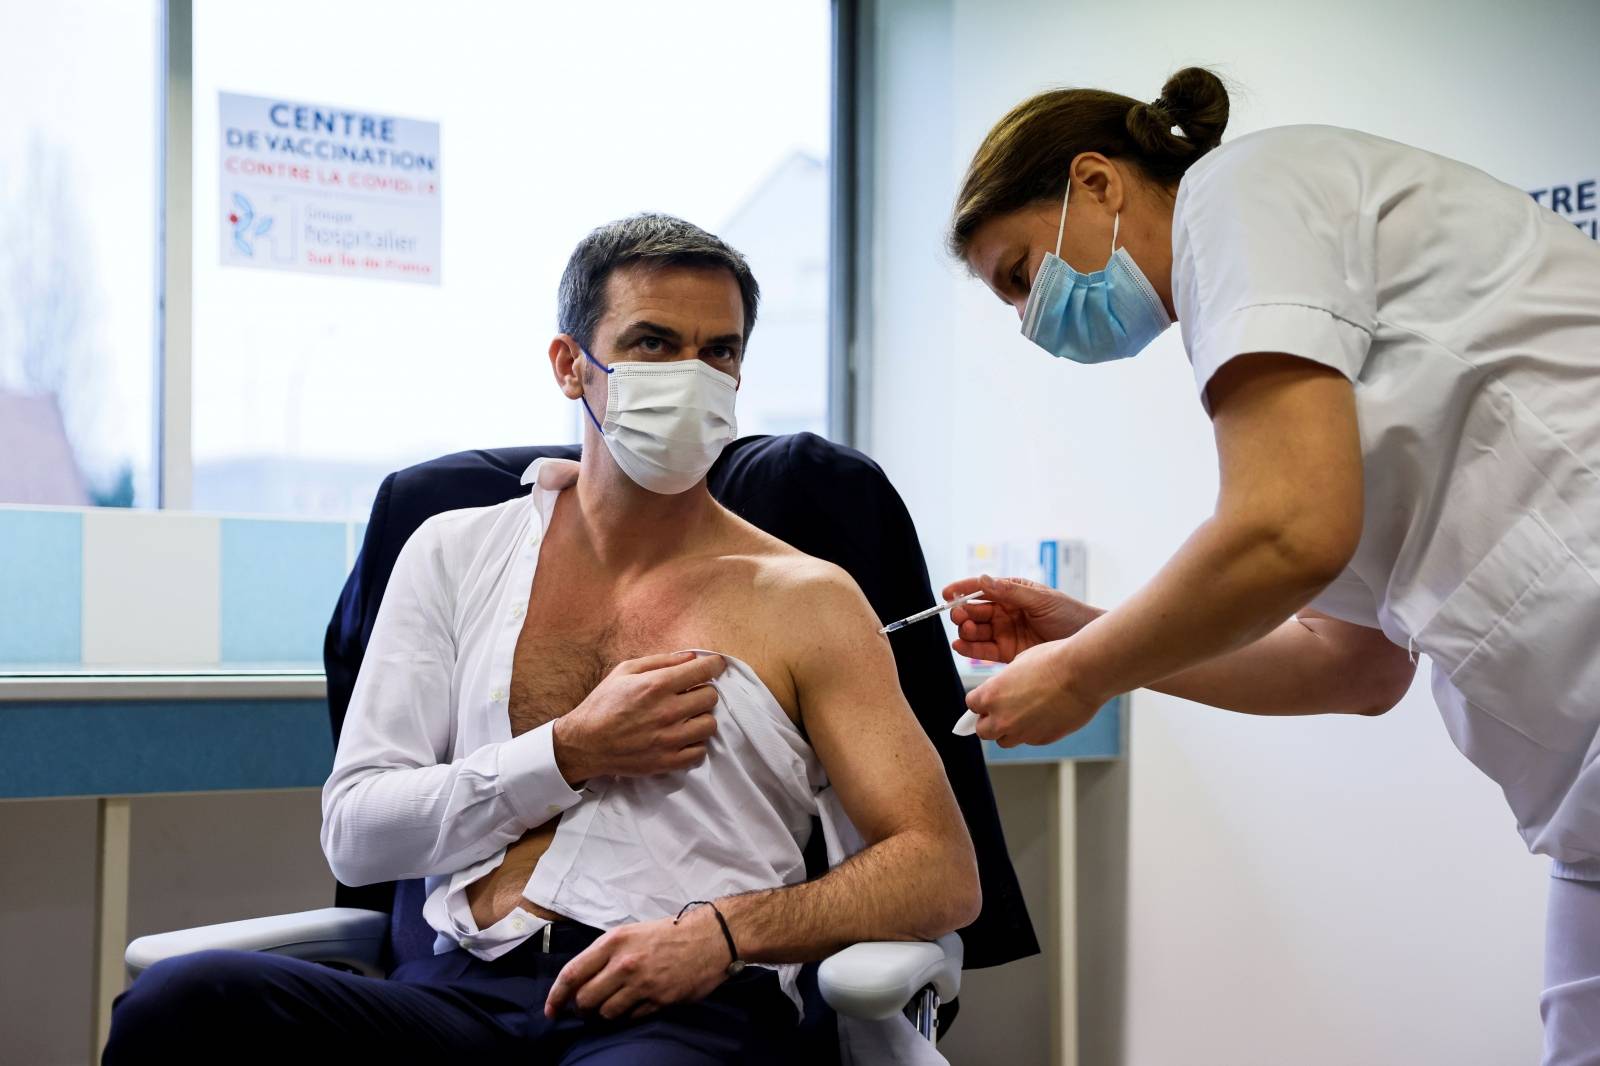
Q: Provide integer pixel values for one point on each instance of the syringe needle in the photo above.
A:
(930, 612)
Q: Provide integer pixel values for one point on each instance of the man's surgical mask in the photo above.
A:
(665, 423)
(1092, 318)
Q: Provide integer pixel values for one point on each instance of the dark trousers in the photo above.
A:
(235, 1006)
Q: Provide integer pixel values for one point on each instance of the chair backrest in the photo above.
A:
(824, 499)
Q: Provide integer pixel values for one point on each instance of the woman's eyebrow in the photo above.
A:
(996, 282)
(994, 275)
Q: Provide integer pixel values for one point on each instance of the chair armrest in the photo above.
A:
(345, 935)
(876, 980)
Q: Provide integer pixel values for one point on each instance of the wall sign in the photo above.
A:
(328, 190)
(1578, 202)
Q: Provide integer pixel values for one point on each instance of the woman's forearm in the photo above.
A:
(1308, 665)
(1230, 585)
(1288, 519)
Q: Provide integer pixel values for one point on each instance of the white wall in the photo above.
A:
(1320, 891)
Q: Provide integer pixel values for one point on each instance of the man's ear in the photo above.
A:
(566, 361)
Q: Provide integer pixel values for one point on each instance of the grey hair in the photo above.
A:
(653, 239)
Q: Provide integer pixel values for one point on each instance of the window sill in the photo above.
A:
(120, 684)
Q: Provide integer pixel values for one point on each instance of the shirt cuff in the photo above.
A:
(1300, 330)
(463, 932)
(530, 778)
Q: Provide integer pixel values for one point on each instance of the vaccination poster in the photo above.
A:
(328, 190)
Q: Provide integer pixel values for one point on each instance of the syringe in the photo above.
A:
(970, 597)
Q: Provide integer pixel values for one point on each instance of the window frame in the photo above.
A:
(849, 147)
(175, 271)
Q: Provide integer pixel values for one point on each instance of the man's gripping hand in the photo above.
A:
(637, 969)
(649, 716)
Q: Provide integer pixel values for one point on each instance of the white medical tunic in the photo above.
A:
(1468, 320)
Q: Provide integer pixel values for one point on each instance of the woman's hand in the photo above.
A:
(1019, 615)
(1041, 697)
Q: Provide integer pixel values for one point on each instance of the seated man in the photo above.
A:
(611, 828)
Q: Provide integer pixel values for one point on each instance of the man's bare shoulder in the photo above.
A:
(802, 602)
(792, 584)
(778, 561)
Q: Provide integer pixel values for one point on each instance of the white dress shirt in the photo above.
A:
(1467, 318)
(428, 781)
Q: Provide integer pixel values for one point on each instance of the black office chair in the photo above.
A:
(824, 499)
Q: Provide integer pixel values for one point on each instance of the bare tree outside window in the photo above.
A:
(79, 148)
(51, 383)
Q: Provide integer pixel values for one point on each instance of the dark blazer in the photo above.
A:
(824, 499)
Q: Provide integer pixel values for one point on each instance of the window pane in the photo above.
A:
(552, 120)
(80, 150)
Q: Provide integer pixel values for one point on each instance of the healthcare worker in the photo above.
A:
(1400, 357)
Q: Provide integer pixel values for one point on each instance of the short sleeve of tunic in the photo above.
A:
(1273, 252)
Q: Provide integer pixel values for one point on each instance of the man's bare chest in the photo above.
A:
(575, 633)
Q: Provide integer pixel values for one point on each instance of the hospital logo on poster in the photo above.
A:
(246, 226)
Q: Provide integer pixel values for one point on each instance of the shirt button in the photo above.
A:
(518, 610)
(554, 808)
(497, 695)
(468, 942)
(518, 924)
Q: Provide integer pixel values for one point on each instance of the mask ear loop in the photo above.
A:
(1062, 232)
(585, 400)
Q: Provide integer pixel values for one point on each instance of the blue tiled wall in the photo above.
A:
(279, 584)
(99, 748)
(41, 587)
(276, 582)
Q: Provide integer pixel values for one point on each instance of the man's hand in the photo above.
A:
(649, 716)
(636, 969)
(1020, 615)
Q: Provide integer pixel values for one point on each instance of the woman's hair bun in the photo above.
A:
(1194, 103)
(1025, 159)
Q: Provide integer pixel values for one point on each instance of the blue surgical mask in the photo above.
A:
(1093, 318)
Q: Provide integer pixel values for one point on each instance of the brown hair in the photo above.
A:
(1025, 156)
(654, 239)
